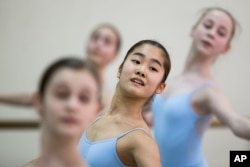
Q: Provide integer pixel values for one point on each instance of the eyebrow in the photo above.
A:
(63, 85)
(142, 55)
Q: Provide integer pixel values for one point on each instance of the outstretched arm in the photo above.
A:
(218, 104)
(19, 99)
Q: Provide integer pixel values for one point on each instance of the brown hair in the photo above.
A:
(71, 62)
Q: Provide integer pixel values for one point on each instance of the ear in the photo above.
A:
(160, 88)
(227, 48)
(37, 102)
(119, 72)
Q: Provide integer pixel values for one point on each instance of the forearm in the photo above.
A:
(239, 124)
(241, 127)
(224, 112)
(22, 99)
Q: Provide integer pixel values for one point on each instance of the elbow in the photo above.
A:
(242, 135)
(236, 127)
(237, 133)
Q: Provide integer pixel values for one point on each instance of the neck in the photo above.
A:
(126, 105)
(99, 68)
(100, 71)
(59, 151)
(199, 64)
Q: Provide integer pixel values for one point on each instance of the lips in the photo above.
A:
(96, 54)
(206, 43)
(69, 120)
(138, 81)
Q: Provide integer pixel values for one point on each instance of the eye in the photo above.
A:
(221, 33)
(207, 25)
(95, 37)
(135, 61)
(107, 41)
(84, 98)
(62, 95)
(153, 69)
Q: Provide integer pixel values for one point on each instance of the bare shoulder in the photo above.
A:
(207, 93)
(211, 94)
(30, 164)
(209, 98)
(141, 143)
(137, 142)
(140, 138)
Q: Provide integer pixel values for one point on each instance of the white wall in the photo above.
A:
(33, 33)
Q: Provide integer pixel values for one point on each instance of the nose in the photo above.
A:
(211, 33)
(99, 41)
(141, 72)
(72, 104)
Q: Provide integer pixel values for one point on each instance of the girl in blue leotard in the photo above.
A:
(121, 137)
(182, 113)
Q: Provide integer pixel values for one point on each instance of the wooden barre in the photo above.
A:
(34, 124)
(27, 124)
(215, 123)
(19, 124)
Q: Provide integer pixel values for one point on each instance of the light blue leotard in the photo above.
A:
(102, 153)
(178, 130)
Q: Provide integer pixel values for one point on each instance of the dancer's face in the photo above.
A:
(212, 35)
(102, 46)
(70, 102)
(142, 72)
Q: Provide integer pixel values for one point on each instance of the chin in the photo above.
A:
(71, 132)
(205, 52)
(133, 92)
(99, 62)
